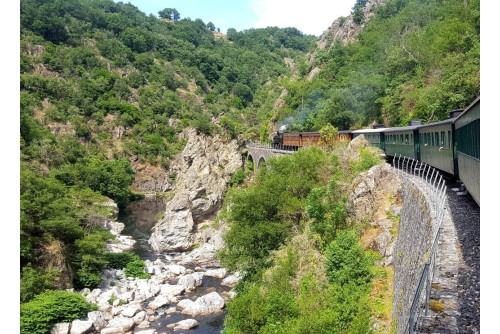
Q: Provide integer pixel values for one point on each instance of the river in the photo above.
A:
(139, 217)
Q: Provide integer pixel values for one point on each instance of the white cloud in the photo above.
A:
(311, 16)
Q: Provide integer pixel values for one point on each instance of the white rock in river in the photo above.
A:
(131, 310)
(175, 269)
(231, 280)
(81, 327)
(206, 304)
(144, 324)
(61, 328)
(120, 323)
(159, 302)
(147, 331)
(219, 273)
(186, 324)
(191, 281)
(139, 317)
(172, 290)
(98, 318)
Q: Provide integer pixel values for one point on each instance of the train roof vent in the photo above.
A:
(455, 113)
(415, 122)
(377, 126)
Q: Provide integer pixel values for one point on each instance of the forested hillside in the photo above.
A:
(102, 85)
(413, 59)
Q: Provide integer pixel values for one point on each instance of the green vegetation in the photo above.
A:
(414, 60)
(102, 84)
(305, 270)
(45, 310)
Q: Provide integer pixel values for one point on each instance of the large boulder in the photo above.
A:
(186, 324)
(81, 327)
(131, 310)
(172, 290)
(206, 304)
(119, 324)
(191, 281)
(159, 302)
(61, 328)
(231, 280)
(98, 318)
(203, 171)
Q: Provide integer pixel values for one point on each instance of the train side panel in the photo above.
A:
(467, 135)
(436, 146)
(404, 143)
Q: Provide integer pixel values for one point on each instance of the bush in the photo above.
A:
(120, 260)
(238, 177)
(136, 269)
(347, 261)
(45, 310)
(369, 158)
(34, 281)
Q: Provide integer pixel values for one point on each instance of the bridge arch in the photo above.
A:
(262, 163)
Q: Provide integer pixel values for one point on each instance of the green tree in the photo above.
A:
(211, 26)
(166, 13)
(328, 135)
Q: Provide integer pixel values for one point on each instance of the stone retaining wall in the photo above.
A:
(415, 236)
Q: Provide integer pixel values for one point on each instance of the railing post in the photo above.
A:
(427, 289)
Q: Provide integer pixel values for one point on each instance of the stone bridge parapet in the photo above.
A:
(260, 153)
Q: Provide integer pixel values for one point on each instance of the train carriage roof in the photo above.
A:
(370, 130)
(445, 122)
(403, 128)
(340, 131)
(476, 101)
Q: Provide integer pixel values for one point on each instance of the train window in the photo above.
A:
(411, 138)
(406, 140)
(436, 138)
(442, 138)
(449, 139)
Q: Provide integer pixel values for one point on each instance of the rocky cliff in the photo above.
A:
(203, 171)
(345, 29)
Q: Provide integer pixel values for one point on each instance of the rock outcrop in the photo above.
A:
(203, 171)
(375, 198)
(345, 29)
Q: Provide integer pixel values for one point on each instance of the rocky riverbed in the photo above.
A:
(184, 292)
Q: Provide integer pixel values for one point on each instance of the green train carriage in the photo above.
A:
(403, 141)
(437, 144)
(374, 136)
(467, 132)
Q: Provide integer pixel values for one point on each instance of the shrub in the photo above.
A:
(238, 177)
(45, 310)
(369, 158)
(347, 261)
(136, 269)
(120, 260)
(34, 281)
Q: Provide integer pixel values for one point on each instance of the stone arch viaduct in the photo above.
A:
(260, 153)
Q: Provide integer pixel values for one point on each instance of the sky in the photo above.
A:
(311, 16)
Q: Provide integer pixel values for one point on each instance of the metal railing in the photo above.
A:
(436, 197)
(278, 147)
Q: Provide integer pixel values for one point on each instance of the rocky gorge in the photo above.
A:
(187, 288)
